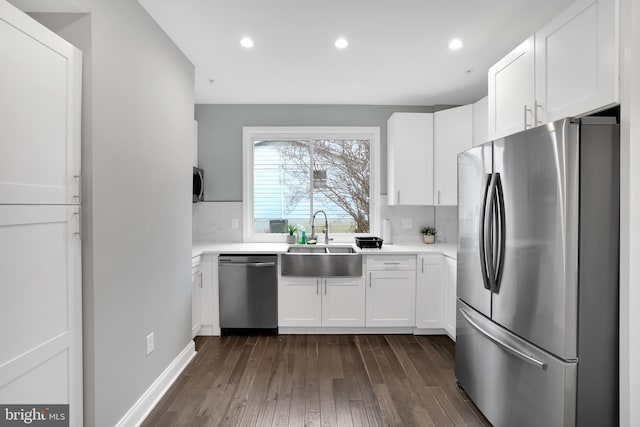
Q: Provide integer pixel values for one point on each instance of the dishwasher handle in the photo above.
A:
(247, 264)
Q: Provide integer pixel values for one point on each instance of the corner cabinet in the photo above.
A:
(450, 284)
(568, 68)
(453, 133)
(326, 302)
(391, 290)
(410, 159)
(430, 292)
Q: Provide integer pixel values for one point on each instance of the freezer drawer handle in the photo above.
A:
(514, 351)
(247, 264)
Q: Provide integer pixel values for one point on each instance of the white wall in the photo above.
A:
(630, 214)
(137, 141)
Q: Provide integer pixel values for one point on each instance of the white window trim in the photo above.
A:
(251, 134)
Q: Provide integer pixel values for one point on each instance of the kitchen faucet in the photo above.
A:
(326, 227)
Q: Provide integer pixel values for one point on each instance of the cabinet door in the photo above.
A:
(450, 275)
(452, 134)
(410, 159)
(41, 307)
(39, 113)
(391, 298)
(299, 301)
(196, 304)
(343, 301)
(576, 61)
(511, 91)
(430, 290)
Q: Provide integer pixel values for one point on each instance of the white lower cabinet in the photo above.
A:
(196, 296)
(208, 304)
(450, 283)
(391, 290)
(316, 301)
(430, 292)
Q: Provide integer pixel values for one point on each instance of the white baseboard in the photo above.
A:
(139, 411)
(208, 330)
(424, 331)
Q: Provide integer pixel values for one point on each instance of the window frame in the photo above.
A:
(250, 134)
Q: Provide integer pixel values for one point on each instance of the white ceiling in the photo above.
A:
(397, 53)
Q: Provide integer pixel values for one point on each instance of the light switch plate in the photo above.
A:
(407, 223)
(234, 223)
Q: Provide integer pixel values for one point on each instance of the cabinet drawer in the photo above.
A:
(391, 262)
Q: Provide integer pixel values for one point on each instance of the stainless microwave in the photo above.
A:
(198, 185)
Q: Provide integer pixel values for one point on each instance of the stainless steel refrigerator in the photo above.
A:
(538, 261)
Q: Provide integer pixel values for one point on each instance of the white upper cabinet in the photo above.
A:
(453, 133)
(480, 121)
(410, 159)
(39, 150)
(511, 91)
(568, 68)
(576, 61)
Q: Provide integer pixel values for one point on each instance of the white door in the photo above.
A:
(39, 113)
(299, 301)
(391, 298)
(450, 275)
(430, 292)
(343, 301)
(511, 91)
(453, 134)
(576, 61)
(40, 307)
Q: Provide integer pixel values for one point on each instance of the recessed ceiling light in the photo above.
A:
(455, 44)
(341, 43)
(246, 42)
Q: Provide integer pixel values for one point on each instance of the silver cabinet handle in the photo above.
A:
(398, 196)
(317, 286)
(509, 348)
(526, 110)
(369, 279)
(391, 263)
(423, 265)
(536, 106)
(325, 286)
(438, 196)
(247, 264)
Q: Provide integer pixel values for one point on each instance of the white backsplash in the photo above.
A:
(213, 221)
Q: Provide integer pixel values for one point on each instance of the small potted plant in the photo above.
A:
(428, 234)
(291, 238)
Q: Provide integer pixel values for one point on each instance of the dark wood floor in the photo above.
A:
(318, 380)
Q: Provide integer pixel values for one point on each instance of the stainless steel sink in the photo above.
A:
(321, 261)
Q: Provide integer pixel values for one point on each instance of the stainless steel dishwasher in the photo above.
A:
(248, 286)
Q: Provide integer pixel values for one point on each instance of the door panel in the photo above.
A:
(512, 382)
(537, 295)
(39, 113)
(40, 306)
(473, 168)
(343, 301)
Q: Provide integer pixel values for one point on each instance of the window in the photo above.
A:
(290, 173)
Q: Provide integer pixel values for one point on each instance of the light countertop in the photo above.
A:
(447, 249)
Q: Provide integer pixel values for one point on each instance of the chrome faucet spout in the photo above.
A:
(326, 226)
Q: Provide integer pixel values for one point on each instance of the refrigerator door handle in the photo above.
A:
(483, 232)
(501, 233)
(505, 346)
(489, 259)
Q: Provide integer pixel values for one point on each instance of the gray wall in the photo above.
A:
(137, 132)
(220, 136)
